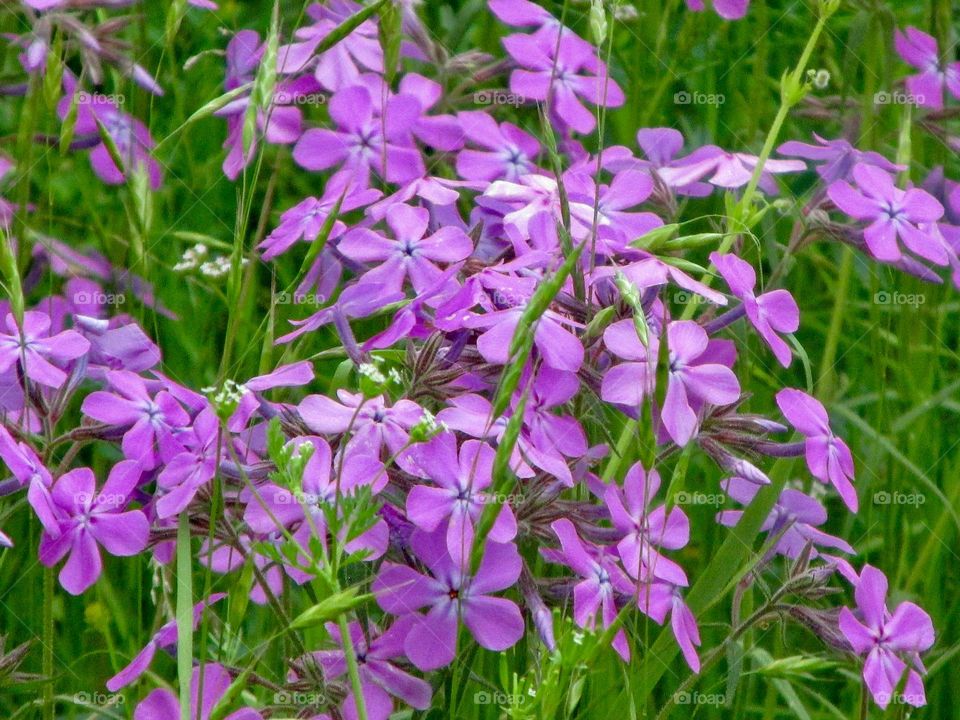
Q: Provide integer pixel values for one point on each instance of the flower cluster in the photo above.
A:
(490, 284)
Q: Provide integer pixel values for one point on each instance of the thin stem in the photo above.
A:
(184, 614)
(48, 590)
(352, 668)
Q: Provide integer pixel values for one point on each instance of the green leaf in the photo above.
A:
(330, 608)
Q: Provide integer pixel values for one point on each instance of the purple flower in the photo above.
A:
(130, 135)
(601, 580)
(838, 157)
(344, 63)
(379, 677)
(305, 511)
(88, 518)
(692, 376)
(30, 472)
(459, 496)
(365, 138)
(507, 151)
(373, 424)
(799, 513)
(891, 213)
(770, 313)
(559, 348)
(727, 9)
(161, 704)
(660, 146)
(609, 210)
(573, 75)
(192, 468)
(409, 254)
(921, 51)
(450, 594)
(302, 222)
(165, 637)
(646, 530)
(471, 414)
(34, 348)
(828, 457)
(891, 642)
(152, 425)
(282, 124)
(628, 383)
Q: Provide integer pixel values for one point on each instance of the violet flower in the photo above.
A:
(302, 222)
(409, 254)
(828, 457)
(365, 138)
(152, 425)
(36, 350)
(837, 157)
(892, 642)
(88, 518)
(379, 677)
(727, 9)
(601, 580)
(646, 529)
(574, 75)
(372, 422)
(507, 151)
(796, 514)
(164, 638)
(449, 593)
(770, 313)
(459, 496)
(692, 376)
(192, 468)
(130, 136)
(161, 704)
(920, 50)
(892, 214)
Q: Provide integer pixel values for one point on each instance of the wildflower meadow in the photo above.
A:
(479, 359)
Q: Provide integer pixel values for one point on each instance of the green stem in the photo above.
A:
(825, 378)
(48, 638)
(352, 668)
(184, 614)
